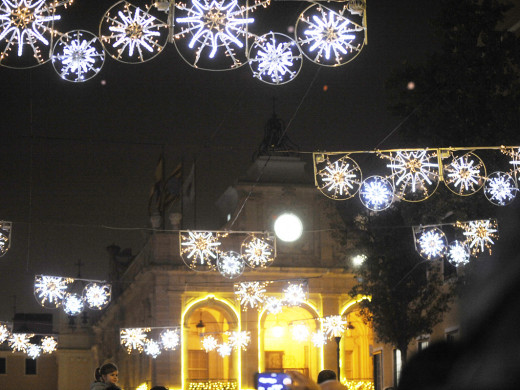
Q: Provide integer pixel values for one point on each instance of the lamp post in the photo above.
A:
(338, 340)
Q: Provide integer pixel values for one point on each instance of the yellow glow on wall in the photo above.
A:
(144, 386)
(353, 302)
(184, 351)
(213, 385)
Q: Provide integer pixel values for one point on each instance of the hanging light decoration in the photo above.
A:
(152, 348)
(251, 294)
(131, 34)
(134, 338)
(170, 339)
(78, 56)
(258, 252)
(339, 179)
(333, 326)
(97, 296)
(209, 343)
(20, 341)
(73, 304)
(275, 58)
(464, 175)
(500, 188)
(199, 250)
(480, 234)
(49, 344)
(300, 332)
(34, 351)
(327, 37)
(514, 153)
(294, 294)
(376, 193)
(5, 237)
(318, 339)
(5, 332)
(224, 349)
(458, 253)
(431, 242)
(49, 291)
(273, 305)
(239, 339)
(230, 264)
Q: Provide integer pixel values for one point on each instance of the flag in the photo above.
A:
(173, 187)
(154, 200)
(188, 188)
(164, 192)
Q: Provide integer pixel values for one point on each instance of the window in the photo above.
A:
(452, 336)
(198, 364)
(422, 343)
(30, 366)
(378, 372)
(2, 366)
(397, 366)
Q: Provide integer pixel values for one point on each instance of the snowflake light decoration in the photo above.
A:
(500, 188)
(258, 252)
(73, 304)
(170, 339)
(49, 344)
(5, 237)
(318, 339)
(132, 35)
(27, 24)
(134, 338)
(78, 56)
(97, 296)
(251, 294)
(275, 58)
(515, 158)
(327, 37)
(464, 175)
(20, 341)
(49, 291)
(152, 348)
(415, 173)
(239, 339)
(230, 264)
(199, 250)
(376, 193)
(34, 351)
(224, 349)
(214, 27)
(273, 305)
(458, 253)
(479, 234)
(340, 179)
(209, 343)
(294, 294)
(5, 333)
(300, 332)
(333, 326)
(431, 243)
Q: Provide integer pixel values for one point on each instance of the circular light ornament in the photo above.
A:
(209, 343)
(20, 341)
(464, 174)
(97, 296)
(275, 58)
(134, 338)
(34, 351)
(480, 234)
(230, 264)
(199, 249)
(288, 227)
(251, 294)
(339, 179)
(49, 291)
(294, 294)
(73, 304)
(500, 188)
(258, 251)
(458, 253)
(318, 339)
(376, 193)
(49, 344)
(224, 349)
(273, 305)
(329, 38)
(432, 243)
(152, 348)
(334, 326)
(170, 339)
(78, 56)
(239, 339)
(132, 35)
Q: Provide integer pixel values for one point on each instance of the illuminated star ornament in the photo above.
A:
(20, 341)
(327, 37)
(97, 296)
(199, 250)
(214, 28)
(431, 242)
(5, 237)
(318, 339)
(224, 349)
(376, 193)
(230, 264)
(251, 294)
(300, 332)
(27, 24)
(500, 188)
(333, 326)
(49, 344)
(415, 173)
(273, 305)
(5, 333)
(340, 179)
(480, 235)
(73, 304)
(239, 340)
(131, 34)
(78, 56)
(258, 252)
(134, 338)
(170, 339)
(34, 351)
(152, 348)
(209, 343)
(458, 253)
(464, 175)
(294, 294)
(275, 58)
(49, 291)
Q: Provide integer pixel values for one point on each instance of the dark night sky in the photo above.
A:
(78, 158)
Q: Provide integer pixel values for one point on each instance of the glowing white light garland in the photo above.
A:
(432, 243)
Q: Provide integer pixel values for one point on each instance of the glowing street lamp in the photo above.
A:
(288, 227)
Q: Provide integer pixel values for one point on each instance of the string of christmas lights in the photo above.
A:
(32, 344)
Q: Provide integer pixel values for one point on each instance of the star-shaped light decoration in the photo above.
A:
(49, 344)
(131, 34)
(230, 264)
(258, 251)
(78, 56)
(329, 38)
(376, 193)
(514, 154)
(5, 237)
(275, 58)
(239, 339)
(273, 305)
(134, 338)
(224, 349)
(152, 348)
(300, 332)
(318, 338)
(170, 339)
(431, 243)
(500, 188)
(5, 332)
(339, 179)
(480, 234)
(199, 250)
(251, 294)
(415, 173)
(49, 291)
(209, 343)
(73, 304)
(333, 326)
(295, 294)
(465, 174)
(97, 295)
(34, 351)
(458, 253)
(20, 341)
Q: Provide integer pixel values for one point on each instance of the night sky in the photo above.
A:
(78, 159)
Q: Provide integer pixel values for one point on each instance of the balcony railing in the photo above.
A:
(211, 384)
